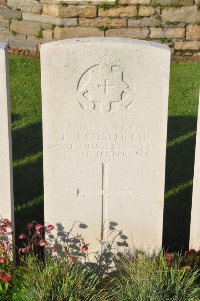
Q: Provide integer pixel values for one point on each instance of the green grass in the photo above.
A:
(27, 139)
(137, 277)
(141, 278)
(59, 280)
(183, 105)
(27, 146)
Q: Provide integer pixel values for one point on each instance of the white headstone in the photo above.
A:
(105, 105)
(6, 189)
(195, 214)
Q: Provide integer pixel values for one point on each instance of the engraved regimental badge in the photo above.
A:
(105, 87)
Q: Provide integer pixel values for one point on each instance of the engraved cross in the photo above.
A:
(105, 85)
(104, 193)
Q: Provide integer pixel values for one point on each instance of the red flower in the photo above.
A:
(6, 278)
(42, 243)
(25, 250)
(22, 236)
(84, 248)
(53, 249)
(6, 222)
(190, 252)
(169, 256)
(49, 227)
(3, 260)
(4, 255)
(3, 230)
(2, 247)
(38, 227)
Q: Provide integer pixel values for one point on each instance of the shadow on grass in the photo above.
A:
(28, 179)
(178, 186)
(27, 141)
(28, 175)
(15, 117)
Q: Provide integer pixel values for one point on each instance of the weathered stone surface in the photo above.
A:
(14, 42)
(196, 54)
(46, 26)
(4, 22)
(77, 32)
(174, 33)
(170, 33)
(144, 22)
(52, 10)
(3, 2)
(145, 2)
(188, 53)
(88, 11)
(186, 2)
(156, 33)
(47, 35)
(140, 15)
(192, 45)
(105, 127)
(4, 35)
(102, 22)
(127, 11)
(19, 36)
(25, 27)
(6, 195)
(185, 14)
(61, 2)
(10, 13)
(133, 33)
(49, 19)
(158, 10)
(34, 39)
(171, 2)
(146, 11)
(31, 6)
(173, 25)
(193, 32)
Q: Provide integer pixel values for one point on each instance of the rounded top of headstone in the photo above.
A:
(3, 45)
(94, 40)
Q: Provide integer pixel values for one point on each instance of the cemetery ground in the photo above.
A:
(28, 194)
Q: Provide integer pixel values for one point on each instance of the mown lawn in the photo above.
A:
(27, 146)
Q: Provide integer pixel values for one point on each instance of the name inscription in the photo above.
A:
(85, 140)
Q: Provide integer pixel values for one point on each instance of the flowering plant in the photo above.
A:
(57, 243)
(188, 261)
(6, 255)
(66, 271)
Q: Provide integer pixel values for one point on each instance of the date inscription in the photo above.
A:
(85, 140)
